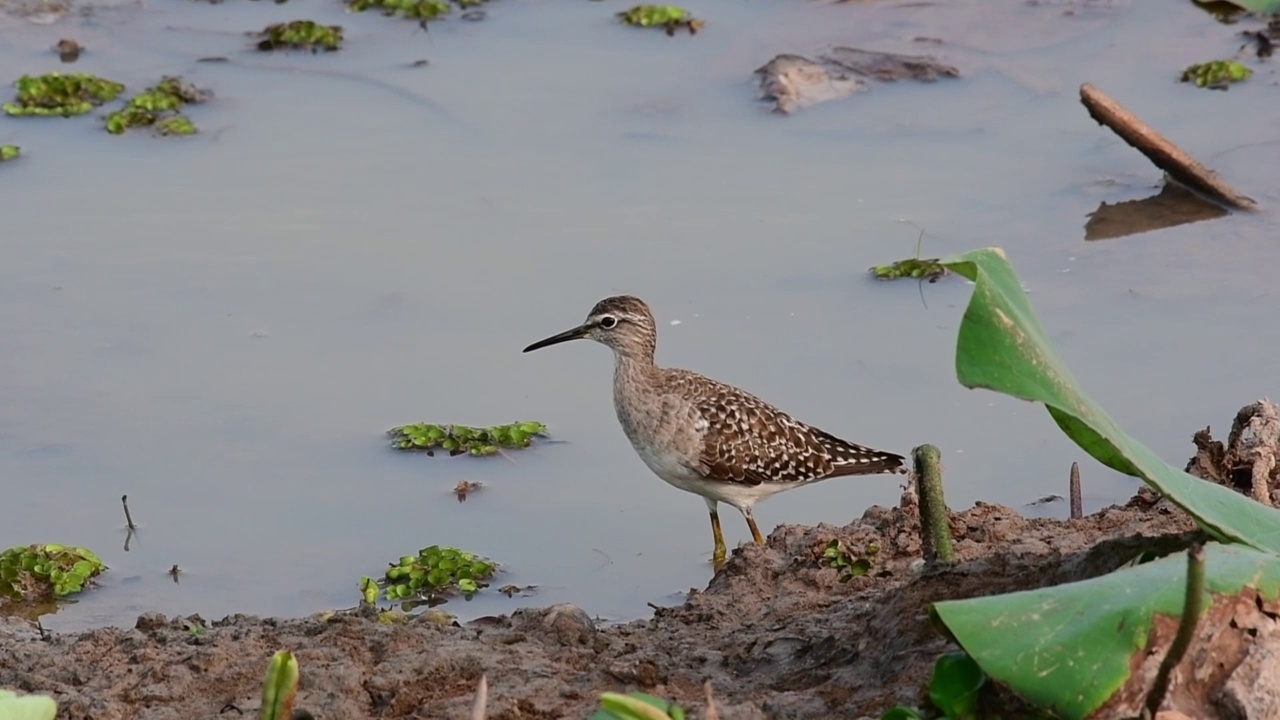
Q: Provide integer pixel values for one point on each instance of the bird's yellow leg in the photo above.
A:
(755, 529)
(721, 552)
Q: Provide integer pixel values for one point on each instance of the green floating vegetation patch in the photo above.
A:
(668, 17)
(463, 439)
(431, 576)
(65, 95)
(38, 572)
(300, 35)
(9, 152)
(1216, 75)
(158, 107)
(413, 9)
(920, 268)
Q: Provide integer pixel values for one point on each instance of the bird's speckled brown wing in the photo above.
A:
(746, 440)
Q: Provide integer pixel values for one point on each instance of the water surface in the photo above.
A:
(221, 327)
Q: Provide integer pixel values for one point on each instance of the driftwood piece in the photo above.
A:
(1159, 150)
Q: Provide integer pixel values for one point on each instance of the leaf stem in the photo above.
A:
(1191, 609)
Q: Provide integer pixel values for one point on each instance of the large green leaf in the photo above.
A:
(1070, 647)
(1002, 347)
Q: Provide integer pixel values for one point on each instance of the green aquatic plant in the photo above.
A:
(668, 17)
(919, 268)
(464, 439)
(434, 573)
(26, 707)
(9, 152)
(300, 35)
(58, 94)
(36, 572)
(413, 9)
(1108, 621)
(158, 107)
(1216, 75)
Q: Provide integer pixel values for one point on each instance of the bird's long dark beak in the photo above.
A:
(565, 336)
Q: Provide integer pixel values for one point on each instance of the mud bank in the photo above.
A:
(776, 633)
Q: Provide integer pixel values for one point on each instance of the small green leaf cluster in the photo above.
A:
(463, 439)
(669, 17)
(838, 557)
(957, 680)
(302, 35)
(1217, 74)
(413, 9)
(636, 706)
(9, 152)
(434, 572)
(919, 268)
(58, 94)
(34, 572)
(160, 107)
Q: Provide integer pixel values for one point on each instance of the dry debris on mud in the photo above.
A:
(776, 632)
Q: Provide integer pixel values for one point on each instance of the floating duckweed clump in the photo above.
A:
(413, 9)
(159, 107)
(463, 439)
(432, 575)
(919, 268)
(37, 572)
(668, 17)
(1216, 75)
(300, 35)
(57, 94)
(9, 152)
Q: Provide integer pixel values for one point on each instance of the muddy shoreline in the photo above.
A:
(776, 632)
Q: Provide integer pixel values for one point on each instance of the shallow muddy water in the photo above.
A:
(222, 327)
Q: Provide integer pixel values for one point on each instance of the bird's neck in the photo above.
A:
(628, 368)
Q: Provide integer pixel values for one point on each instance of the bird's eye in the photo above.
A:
(608, 322)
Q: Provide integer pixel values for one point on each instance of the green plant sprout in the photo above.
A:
(837, 556)
(1216, 75)
(412, 9)
(300, 35)
(668, 17)
(636, 706)
(953, 691)
(57, 94)
(36, 572)
(159, 106)
(432, 575)
(464, 439)
(26, 707)
(280, 687)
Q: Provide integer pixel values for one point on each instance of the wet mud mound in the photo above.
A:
(779, 633)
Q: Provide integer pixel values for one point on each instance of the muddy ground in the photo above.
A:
(776, 633)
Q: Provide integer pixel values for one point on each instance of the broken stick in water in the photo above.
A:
(1168, 157)
(128, 519)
